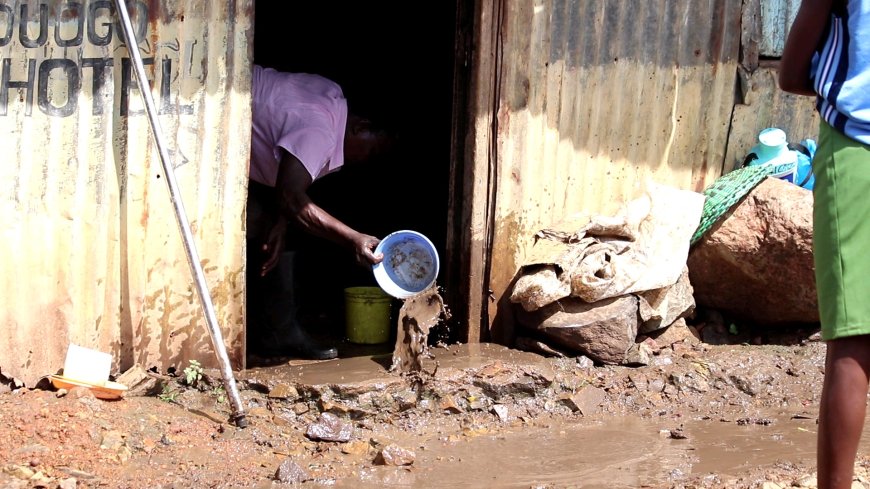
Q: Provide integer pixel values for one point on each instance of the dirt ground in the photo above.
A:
(740, 413)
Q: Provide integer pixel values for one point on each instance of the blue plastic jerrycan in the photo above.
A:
(792, 163)
(805, 176)
(772, 149)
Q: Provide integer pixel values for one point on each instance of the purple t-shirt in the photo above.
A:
(303, 113)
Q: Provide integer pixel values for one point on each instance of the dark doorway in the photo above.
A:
(394, 61)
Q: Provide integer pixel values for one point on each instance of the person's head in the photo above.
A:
(364, 141)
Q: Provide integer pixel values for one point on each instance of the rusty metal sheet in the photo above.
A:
(596, 98)
(777, 17)
(91, 251)
(765, 105)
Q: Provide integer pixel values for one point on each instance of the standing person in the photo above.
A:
(301, 131)
(827, 55)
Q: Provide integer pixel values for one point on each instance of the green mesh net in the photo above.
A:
(726, 191)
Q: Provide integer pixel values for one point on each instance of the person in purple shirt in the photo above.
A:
(301, 131)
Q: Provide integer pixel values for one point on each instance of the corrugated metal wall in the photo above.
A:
(91, 251)
(595, 97)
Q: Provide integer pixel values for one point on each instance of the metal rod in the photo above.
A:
(238, 415)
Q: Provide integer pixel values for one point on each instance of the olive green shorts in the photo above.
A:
(841, 233)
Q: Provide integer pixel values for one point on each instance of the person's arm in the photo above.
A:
(296, 206)
(800, 45)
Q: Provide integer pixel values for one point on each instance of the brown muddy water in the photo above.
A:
(595, 451)
(611, 453)
(418, 315)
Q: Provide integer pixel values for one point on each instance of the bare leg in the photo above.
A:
(841, 410)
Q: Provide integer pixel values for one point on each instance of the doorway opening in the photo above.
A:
(399, 73)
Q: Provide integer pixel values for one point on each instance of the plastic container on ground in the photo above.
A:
(367, 315)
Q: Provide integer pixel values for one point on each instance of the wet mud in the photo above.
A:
(418, 315)
(701, 416)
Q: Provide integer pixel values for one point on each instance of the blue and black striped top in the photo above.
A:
(841, 74)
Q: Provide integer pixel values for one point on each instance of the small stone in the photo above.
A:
(60, 393)
(501, 411)
(112, 440)
(70, 483)
(259, 412)
(638, 354)
(355, 447)
(584, 362)
(329, 428)
(284, 391)
(807, 482)
(334, 407)
(770, 485)
(40, 480)
(19, 472)
(447, 403)
(301, 408)
(586, 401)
(289, 472)
(139, 382)
(395, 455)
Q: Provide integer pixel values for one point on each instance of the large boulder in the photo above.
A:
(757, 262)
(604, 331)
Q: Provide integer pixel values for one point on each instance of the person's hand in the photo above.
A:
(273, 246)
(363, 249)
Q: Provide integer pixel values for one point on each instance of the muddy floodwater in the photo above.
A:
(418, 315)
(484, 416)
(608, 453)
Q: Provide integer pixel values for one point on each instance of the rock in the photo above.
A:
(757, 263)
(639, 354)
(284, 391)
(395, 455)
(690, 382)
(659, 308)
(19, 471)
(330, 428)
(139, 382)
(586, 401)
(406, 399)
(289, 472)
(585, 362)
(69, 483)
(355, 447)
(448, 404)
(301, 408)
(112, 440)
(604, 330)
(501, 411)
(676, 332)
(639, 381)
(808, 481)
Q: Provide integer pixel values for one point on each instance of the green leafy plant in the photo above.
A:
(220, 394)
(168, 394)
(193, 373)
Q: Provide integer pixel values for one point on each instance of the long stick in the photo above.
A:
(238, 415)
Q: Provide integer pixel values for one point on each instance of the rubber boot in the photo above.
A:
(282, 334)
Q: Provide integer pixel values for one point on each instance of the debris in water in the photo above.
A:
(417, 316)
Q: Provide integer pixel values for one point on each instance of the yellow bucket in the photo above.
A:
(367, 315)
